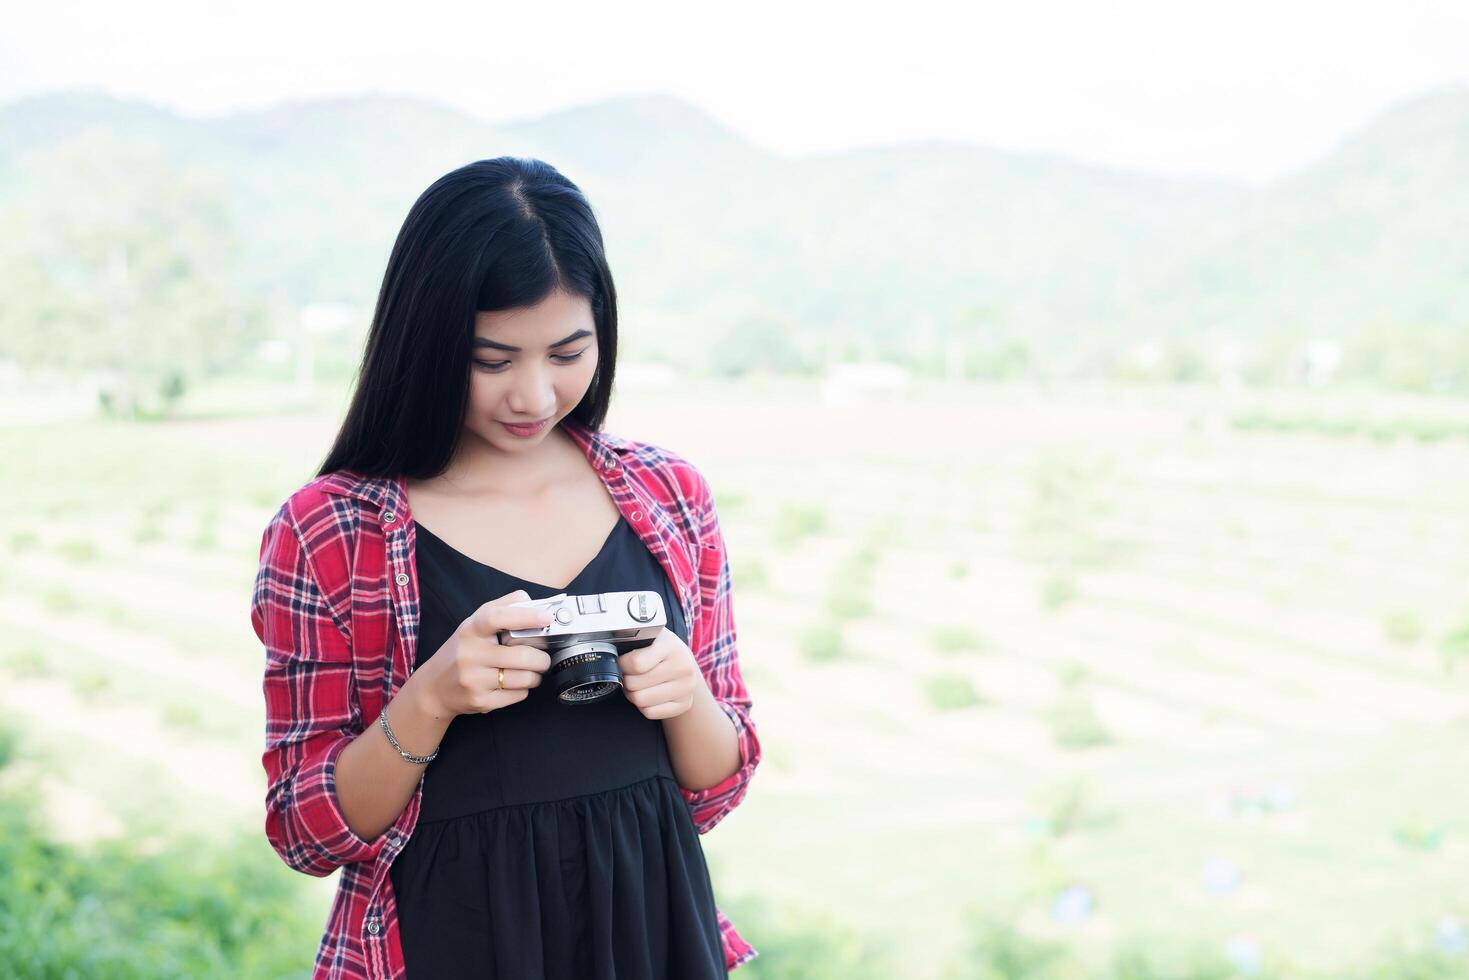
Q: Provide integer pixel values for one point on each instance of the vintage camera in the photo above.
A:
(585, 636)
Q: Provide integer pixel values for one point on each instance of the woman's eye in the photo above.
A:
(494, 367)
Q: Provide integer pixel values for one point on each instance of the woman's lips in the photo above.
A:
(525, 430)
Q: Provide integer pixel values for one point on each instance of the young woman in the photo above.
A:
(485, 827)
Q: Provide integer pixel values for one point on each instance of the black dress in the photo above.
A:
(552, 840)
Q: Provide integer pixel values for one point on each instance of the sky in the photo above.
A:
(1250, 90)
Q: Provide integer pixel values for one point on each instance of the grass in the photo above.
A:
(1075, 725)
(1068, 806)
(1073, 674)
(822, 643)
(750, 574)
(885, 532)
(855, 572)
(1057, 590)
(92, 685)
(730, 502)
(1417, 833)
(59, 599)
(97, 678)
(846, 604)
(1402, 627)
(795, 522)
(206, 535)
(205, 540)
(953, 638)
(185, 717)
(798, 943)
(148, 531)
(948, 692)
(850, 596)
(1454, 646)
(895, 875)
(118, 909)
(80, 551)
(28, 661)
(1422, 429)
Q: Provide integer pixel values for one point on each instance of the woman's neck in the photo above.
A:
(495, 474)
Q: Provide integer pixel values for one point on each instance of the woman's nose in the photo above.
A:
(533, 394)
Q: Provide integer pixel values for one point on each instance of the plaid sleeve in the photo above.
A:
(310, 711)
(716, 651)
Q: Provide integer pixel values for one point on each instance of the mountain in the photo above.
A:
(707, 231)
(1374, 234)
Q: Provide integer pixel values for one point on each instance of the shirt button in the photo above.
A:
(401, 578)
(389, 517)
(637, 515)
(394, 839)
(373, 925)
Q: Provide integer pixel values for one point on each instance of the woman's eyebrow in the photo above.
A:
(486, 342)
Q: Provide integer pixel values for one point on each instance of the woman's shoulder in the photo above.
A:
(320, 526)
(331, 502)
(667, 466)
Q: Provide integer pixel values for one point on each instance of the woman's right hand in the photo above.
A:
(463, 675)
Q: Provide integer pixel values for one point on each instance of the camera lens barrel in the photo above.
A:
(582, 672)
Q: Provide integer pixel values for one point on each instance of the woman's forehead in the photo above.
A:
(555, 317)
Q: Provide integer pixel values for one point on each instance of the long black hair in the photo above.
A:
(493, 235)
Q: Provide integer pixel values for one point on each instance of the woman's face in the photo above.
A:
(544, 379)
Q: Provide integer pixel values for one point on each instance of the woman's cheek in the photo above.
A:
(584, 378)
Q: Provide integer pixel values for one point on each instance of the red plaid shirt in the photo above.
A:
(336, 604)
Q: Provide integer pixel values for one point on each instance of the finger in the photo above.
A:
(500, 614)
(487, 653)
(666, 709)
(495, 699)
(516, 656)
(475, 621)
(666, 670)
(657, 694)
(643, 659)
(514, 679)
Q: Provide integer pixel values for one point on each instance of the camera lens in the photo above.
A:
(585, 672)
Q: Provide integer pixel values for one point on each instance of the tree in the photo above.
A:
(116, 260)
(758, 340)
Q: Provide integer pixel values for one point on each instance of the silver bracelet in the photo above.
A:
(421, 760)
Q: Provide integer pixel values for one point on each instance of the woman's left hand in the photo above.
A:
(662, 678)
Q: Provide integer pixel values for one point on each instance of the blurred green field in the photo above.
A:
(1006, 644)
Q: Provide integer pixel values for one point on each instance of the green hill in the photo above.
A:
(953, 241)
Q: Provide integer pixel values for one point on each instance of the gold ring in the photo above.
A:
(502, 679)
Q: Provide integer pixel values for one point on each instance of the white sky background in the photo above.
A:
(1250, 89)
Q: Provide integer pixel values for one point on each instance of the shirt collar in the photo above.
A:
(389, 493)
